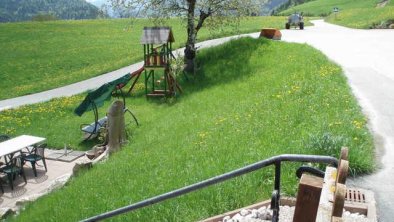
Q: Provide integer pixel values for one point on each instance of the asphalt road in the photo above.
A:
(367, 57)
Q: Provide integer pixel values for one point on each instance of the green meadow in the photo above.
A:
(241, 108)
(37, 56)
(362, 14)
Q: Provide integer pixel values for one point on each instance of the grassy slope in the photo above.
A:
(36, 56)
(324, 7)
(353, 13)
(363, 18)
(244, 108)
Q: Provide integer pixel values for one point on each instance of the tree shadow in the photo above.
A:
(223, 64)
(218, 65)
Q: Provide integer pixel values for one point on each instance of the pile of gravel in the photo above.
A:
(286, 213)
(261, 215)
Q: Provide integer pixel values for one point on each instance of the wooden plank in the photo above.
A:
(156, 95)
(342, 172)
(308, 198)
(339, 200)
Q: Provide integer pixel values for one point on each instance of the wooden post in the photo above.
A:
(308, 197)
(116, 126)
(342, 173)
(344, 155)
(339, 200)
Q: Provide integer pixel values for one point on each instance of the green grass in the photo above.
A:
(325, 7)
(37, 56)
(353, 13)
(242, 108)
(363, 18)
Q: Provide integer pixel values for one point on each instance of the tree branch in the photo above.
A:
(203, 15)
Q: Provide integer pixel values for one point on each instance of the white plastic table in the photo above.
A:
(18, 143)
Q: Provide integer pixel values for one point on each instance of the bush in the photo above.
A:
(43, 17)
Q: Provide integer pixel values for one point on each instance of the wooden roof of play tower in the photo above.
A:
(157, 35)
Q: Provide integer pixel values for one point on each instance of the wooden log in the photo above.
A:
(308, 197)
(342, 173)
(339, 200)
(116, 126)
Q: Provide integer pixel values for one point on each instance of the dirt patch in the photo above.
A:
(382, 4)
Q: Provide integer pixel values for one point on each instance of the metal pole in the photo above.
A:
(275, 208)
(215, 180)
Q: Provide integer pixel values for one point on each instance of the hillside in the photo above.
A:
(65, 52)
(25, 10)
(352, 13)
(324, 7)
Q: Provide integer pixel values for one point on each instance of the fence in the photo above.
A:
(276, 161)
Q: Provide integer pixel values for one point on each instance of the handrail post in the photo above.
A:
(277, 176)
(276, 194)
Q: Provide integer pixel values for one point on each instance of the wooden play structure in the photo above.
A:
(159, 78)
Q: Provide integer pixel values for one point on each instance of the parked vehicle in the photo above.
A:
(295, 20)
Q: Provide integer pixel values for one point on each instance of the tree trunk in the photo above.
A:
(116, 126)
(190, 49)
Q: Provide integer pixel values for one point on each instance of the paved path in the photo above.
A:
(367, 57)
(95, 82)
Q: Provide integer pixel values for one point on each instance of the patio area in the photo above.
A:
(60, 169)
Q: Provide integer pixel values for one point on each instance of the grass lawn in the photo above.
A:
(37, 56)
(363, 18)
(271, 99)
(361, 14)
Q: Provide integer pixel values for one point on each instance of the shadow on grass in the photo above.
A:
(223, 64)
(215, 66)
(88, 144)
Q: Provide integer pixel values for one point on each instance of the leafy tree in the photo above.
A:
(197, 14)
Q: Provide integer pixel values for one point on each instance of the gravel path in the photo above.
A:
(367, 57)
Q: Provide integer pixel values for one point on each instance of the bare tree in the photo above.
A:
(197, 13)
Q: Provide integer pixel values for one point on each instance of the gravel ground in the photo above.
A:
(285, 215)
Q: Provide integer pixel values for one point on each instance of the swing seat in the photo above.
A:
(92, 130)
(94, 127)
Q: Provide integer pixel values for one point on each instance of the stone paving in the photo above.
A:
(58, 173)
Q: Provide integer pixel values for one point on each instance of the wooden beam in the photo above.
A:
(308, 197)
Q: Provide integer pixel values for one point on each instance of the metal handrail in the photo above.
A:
(276, 160)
